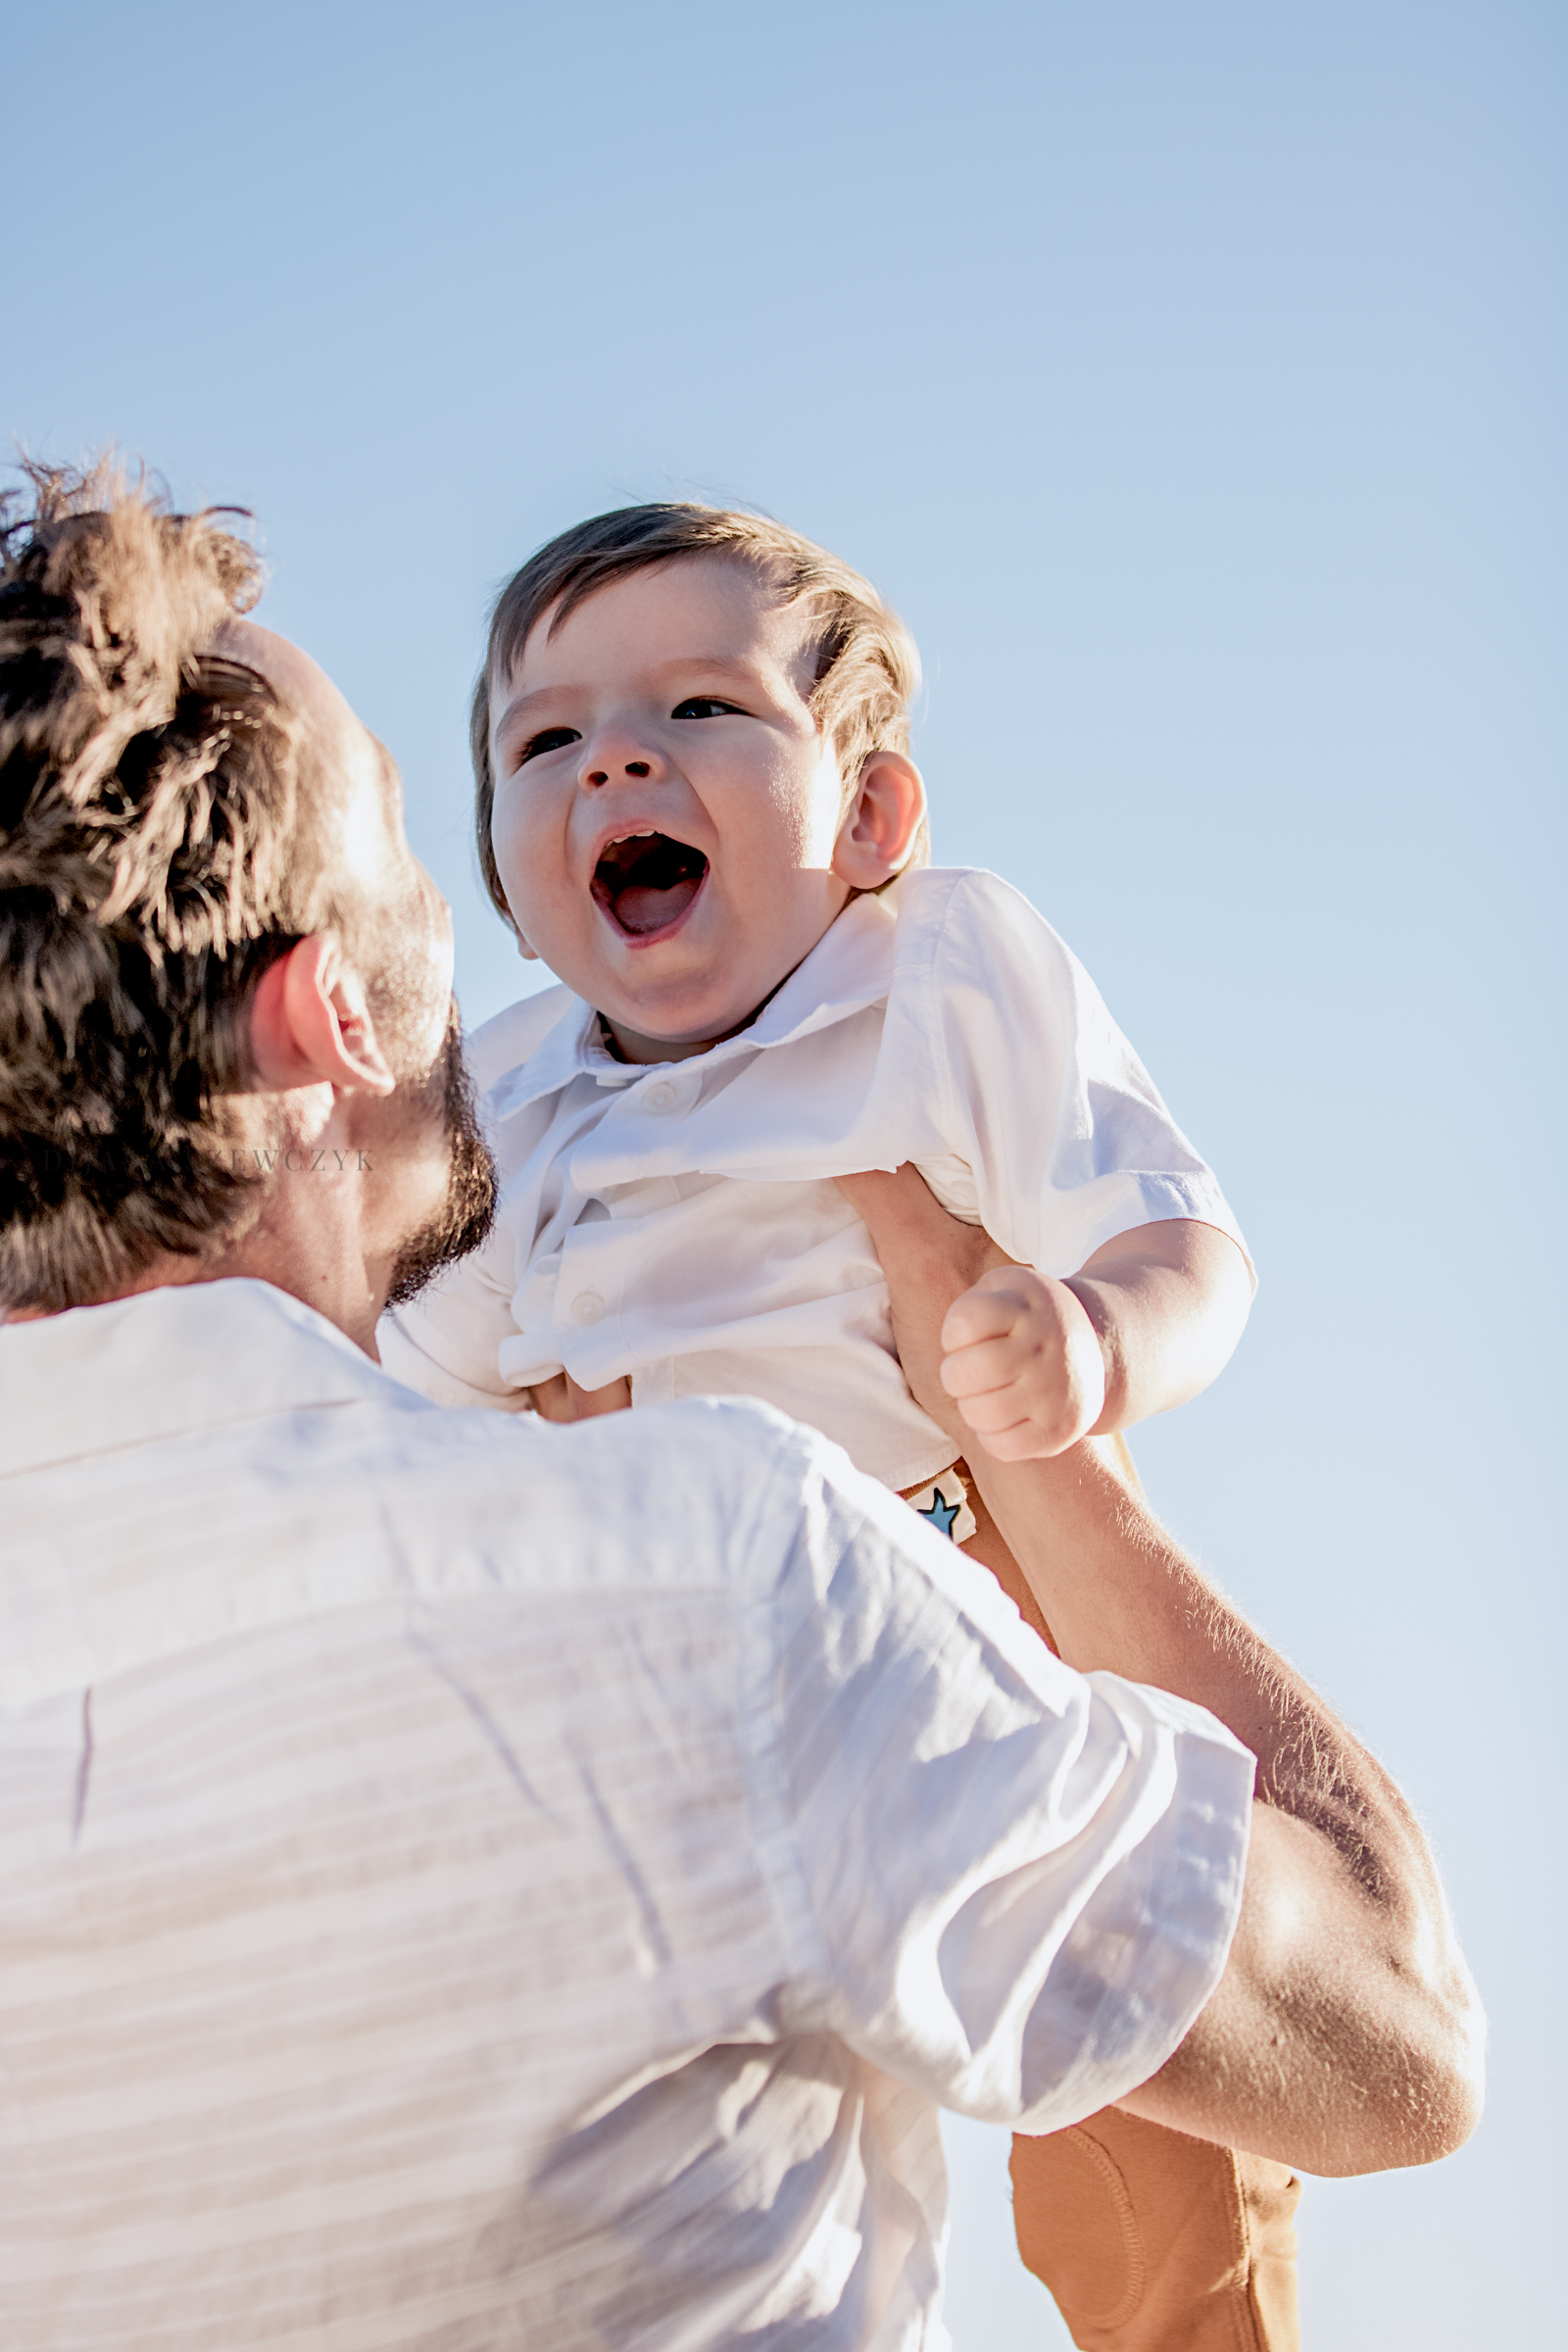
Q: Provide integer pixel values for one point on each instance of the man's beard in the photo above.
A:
(464, 1220)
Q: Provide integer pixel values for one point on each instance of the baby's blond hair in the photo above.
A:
(866, 667)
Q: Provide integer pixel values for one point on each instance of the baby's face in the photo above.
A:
(666, 811)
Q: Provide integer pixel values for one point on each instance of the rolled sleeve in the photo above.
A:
(1025, 1881)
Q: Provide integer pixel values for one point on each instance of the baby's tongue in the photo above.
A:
(638, 909)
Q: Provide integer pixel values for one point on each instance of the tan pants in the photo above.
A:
(1154, 2242)
(1150, 2242)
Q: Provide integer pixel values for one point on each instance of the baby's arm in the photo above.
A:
(1147, 1321)
(1044, 1101)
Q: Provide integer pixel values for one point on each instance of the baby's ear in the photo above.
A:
(881, 821)
(523, 947)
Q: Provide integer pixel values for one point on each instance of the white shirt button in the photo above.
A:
(661, 1095)
(587, 1306)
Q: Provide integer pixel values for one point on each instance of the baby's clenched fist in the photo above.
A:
(1024, 1364)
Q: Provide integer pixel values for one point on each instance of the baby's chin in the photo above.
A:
(665, 1015)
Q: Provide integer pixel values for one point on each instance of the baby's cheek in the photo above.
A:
(530, 859)
(506, 846)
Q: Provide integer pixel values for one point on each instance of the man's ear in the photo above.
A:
(311, 1024)
(881, 822)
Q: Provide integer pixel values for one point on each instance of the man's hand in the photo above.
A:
(930, 1259)
(1024, 1363)
(1019, 1364)
(559, 1399)
(1028, 1364)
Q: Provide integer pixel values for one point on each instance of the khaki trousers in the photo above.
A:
(1149, 2240)
(1154, 2242)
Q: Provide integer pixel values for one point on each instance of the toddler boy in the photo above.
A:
(695, 803)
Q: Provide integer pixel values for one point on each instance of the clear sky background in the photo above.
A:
(1192, 377)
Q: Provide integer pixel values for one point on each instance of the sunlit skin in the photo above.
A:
(674, 836)
(358, 792)
(1345, 2034)
(334, 1080)
(328, 1087)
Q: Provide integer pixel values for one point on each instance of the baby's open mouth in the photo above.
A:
(648, 881)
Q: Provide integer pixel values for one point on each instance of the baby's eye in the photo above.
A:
(703, 705)
(549, 739)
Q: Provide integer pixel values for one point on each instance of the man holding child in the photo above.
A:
(475, 1882)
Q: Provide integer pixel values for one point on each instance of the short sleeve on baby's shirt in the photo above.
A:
(1044, 1097)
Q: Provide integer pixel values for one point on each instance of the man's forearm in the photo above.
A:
(1117, 1592)
(1344, 2036)
(1340, 2038)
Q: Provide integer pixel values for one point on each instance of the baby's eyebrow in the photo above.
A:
(521, 705)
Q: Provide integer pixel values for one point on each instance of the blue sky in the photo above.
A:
(1192, 379)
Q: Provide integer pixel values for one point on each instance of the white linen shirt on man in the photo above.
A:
(679, 1223)
(464, 1882)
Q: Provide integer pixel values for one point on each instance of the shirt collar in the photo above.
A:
(849, 967)
(193, 1356)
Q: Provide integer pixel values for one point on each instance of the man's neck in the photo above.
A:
(307, 1234)
(349, 1300)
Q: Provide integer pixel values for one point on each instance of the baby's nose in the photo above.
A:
(633, 768)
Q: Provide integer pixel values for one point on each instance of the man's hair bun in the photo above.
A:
(148, 796)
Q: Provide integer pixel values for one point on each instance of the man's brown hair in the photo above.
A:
(149, 867)
(867, 668)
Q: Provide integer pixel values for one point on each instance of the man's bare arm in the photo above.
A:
(1344, 2036)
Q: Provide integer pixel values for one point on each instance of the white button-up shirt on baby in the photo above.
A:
(679, 1223)
(464, 1882)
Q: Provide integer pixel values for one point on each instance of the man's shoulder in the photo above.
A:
(319, 1483)
(707, 1490)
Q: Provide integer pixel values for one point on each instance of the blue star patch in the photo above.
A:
(942, 1514)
